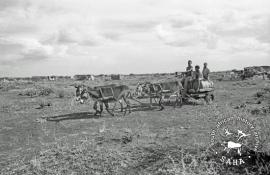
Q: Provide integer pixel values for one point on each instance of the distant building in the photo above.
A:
(22, 78)
(115, 77)
(84, 77)
(63, 77)
(39, 78)
(256, 70)
(52, 78)
(100, 76)
(4, 79)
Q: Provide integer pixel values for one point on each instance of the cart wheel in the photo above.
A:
(208, 98)
(179, 102)
(212, 97)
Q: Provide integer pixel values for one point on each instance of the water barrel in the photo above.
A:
(205, 85)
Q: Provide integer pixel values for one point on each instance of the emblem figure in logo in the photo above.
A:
(241, 134)
(227, 132)
(232, 145)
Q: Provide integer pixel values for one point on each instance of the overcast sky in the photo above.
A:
(66, 37)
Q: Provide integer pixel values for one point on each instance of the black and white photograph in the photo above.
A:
(134, 87)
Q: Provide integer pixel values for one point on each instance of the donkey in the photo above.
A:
(105, 95)
(160, 90)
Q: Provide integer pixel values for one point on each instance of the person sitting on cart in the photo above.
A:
(188, 76)
(197, 76)
(205, 72)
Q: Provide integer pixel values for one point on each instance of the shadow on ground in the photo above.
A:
(72, 116)
(91, 115)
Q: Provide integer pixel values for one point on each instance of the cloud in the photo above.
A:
(264, 30)
(182, 20)
(238, 45)
(243, 32)
(20, 49)
(131, 34)
(186, 30)
(36, 54)
(15, 28)
(113, 35)
(75, 35)
(229, 32)
(9, 3)
(236, 24)
(179, 38)
(118, 29)
(8, 46)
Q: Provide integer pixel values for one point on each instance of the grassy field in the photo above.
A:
(44, 131)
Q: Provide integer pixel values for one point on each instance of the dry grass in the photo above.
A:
(133, 150)
(36, 91)
(11, 85)
(173, 141)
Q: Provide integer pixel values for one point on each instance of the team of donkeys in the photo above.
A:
(103, 95)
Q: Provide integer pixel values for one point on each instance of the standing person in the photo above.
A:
(196, 78)
(188, 77)
(205, 72)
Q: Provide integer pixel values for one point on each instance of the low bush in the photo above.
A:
(36, 91)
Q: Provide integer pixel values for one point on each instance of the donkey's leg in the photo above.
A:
(178, 101)
(95, 108)
(101, 108)
(121, 104)
(128, 105)
(151, 102)
(161, 103)
(107, 108)
(155, 100)
(114, 106)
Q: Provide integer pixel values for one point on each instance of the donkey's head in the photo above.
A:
(81, 93)
(142, 88)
